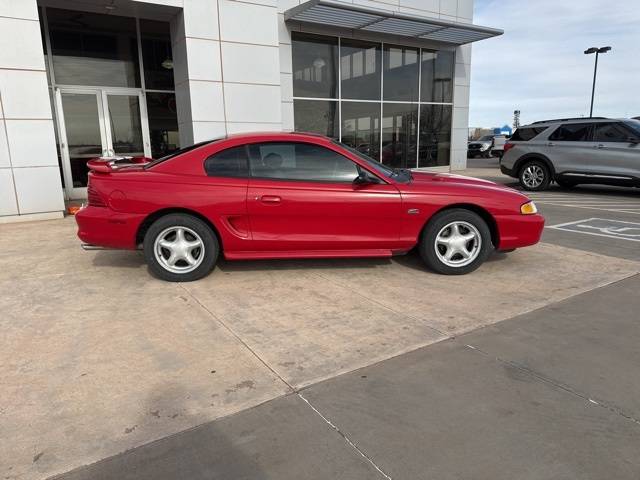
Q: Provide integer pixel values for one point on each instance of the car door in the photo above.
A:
(617, 155)
(302, 197)
(570, 147)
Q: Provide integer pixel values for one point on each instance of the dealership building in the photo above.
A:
(86, 78)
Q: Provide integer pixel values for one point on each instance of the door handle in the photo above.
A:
(550, 144)
(271, 199)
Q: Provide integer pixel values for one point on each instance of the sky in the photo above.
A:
(538, 65)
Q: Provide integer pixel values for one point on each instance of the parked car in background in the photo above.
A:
(286, 195)
(486, 146)
(574, 151)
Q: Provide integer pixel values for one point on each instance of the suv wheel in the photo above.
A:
(534, 176)
(180, 248)
(455, 242)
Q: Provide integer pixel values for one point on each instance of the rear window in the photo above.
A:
(232, 162)
(181, 151)
(527, 133)
(572, 132)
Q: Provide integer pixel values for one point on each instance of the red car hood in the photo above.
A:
(424, 177)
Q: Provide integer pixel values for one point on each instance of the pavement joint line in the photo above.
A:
(345, 437)
(238, 338)
(557, 384)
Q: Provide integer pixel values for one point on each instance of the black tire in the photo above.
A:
(439, 222)
(537, 166)
(565, 183)
(209, 251)
(488, 154)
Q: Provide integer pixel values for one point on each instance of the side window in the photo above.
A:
(300, 161)
(526, 134)
(611, 132)
(572, 132)
(231, 162)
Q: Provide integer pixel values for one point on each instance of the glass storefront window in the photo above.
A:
(157, 57)
(437, 77)
(163, 123)
(360, 67)
(361, 127)
(401, 73)
(399, 135)
(316, 116)
(93, 49)
(315, 66)
(435, 135)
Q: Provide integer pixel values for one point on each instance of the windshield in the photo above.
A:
(398, 174)
(633, 125)
(181, 151)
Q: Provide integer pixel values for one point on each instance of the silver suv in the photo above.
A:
(574, 150)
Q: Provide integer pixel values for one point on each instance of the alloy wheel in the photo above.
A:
(179, 249)
(458, 244)
(533, 176)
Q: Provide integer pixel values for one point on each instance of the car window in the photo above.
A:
(300, 161)
(611, 132)
(634, 125)
(526, 133)
(572, 132)
(181, 151)
(231, 162)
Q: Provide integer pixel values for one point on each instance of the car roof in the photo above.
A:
(279, 134)
(542, 123)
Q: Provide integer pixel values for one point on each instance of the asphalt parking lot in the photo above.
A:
(328, 369)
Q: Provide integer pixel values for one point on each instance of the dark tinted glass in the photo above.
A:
(156, 55)
(300, 161)
(435, 135)
(228, 163)
(401, 72)
(93, 49)
(437, 76)
(163, 123)
(399, 135)
(572, 132)
(361, 127)
(360, 66)
(315, 66)
(633, 125)
(526, 134)
(611, 132)
(316, 116)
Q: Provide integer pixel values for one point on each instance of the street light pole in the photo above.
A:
(597, 51)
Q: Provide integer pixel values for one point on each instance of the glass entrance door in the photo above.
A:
(98, 123)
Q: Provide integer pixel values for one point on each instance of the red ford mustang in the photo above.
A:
(290, 195)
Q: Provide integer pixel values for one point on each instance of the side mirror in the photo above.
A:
(365, 178)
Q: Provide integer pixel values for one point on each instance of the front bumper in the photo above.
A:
(516, 231)
(101, 226)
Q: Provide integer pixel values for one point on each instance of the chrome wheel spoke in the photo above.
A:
(458, 244)
(179, 249)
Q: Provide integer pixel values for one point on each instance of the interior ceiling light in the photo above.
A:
(168, 64)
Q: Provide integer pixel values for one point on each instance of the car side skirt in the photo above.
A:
(265, 255)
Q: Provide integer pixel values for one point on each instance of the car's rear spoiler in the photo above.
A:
(109, 164)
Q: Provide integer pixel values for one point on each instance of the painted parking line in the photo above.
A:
(603, 227)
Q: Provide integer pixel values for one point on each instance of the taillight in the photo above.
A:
(508, 146)
(93, 197)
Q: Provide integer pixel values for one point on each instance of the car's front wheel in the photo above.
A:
(180, 248)
(534, 176)
(455, 242)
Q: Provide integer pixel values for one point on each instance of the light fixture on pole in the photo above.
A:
(597, 51)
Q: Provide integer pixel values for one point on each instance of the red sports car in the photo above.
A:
(292, 195)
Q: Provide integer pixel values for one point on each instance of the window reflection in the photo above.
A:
(361, 127)
(360, 66)
(399, 135)
(315, 66)
(157, 58)
(163, 123)
(437, 76)
(316, 116)
(435, 135)
(93, 49)
(400, 73)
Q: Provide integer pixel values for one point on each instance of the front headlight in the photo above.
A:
(528, 208)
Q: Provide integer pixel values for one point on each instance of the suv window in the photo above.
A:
(300, 161)
(572, 132)
(527, 133)
(231, 162)
(611, 132)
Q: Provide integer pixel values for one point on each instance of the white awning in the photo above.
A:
(331, 13)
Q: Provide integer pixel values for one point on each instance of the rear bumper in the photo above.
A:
(507, 171)
(105, 228)
(516, 231)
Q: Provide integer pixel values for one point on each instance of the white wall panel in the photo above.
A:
(27, 9)
(8, 205)
(250, 63)
(248, 23)
(31, 143)
(4, 148)
(25, 94)
(26, 50)
(38, 189)
(253, 103)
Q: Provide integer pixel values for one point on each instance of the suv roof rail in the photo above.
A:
(568, 119)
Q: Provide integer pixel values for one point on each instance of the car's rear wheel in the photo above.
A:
(455, 242)
(180, 248)
(534, 176)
